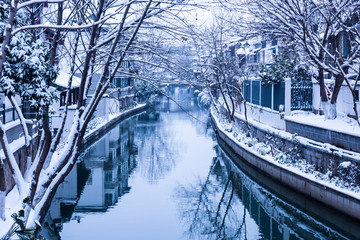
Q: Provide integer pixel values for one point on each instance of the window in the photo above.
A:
(108, 199)
(274, 42)
(263, 44)
(108, 176)
(357, 95)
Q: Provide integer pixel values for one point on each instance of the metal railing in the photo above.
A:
(301, 96)
(8, 114)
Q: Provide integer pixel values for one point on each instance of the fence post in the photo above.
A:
(251, 87)
(4, 113)
(316, 96)
(260, 103)
(287, 96)
(13, 114)
(272, 96)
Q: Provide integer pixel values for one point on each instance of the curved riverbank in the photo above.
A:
(335, 198)
(102, 129)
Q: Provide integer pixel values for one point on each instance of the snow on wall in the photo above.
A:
(344, 104)
(264, 115)
(266, 156)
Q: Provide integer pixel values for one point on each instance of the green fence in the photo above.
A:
(279, 95)
(266, 93)
(270, 96)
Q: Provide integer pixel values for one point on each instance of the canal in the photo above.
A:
(163, 175)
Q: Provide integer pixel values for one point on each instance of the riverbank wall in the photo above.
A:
(323, 155)
(6, 179)
(101, 130)
(298, 205)
(332, 197)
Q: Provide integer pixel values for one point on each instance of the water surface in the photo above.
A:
(162, 175)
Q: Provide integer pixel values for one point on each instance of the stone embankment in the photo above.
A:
(101, 130)
(342, 200)
(6, 180)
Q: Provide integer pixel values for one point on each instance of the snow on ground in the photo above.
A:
(342, 123)
(286, 160)
(12, 205)
(325, 147)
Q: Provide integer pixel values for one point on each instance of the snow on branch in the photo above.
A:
(64, 27)
(29, 3)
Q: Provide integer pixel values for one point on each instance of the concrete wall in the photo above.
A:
(15, 131)
(344, 103)
(101, 131)
(317, 155)
(331, 197)
(264, 115)
(338, 139)
(267, 115)
(341, 222)
(6, 176)
(6, 179)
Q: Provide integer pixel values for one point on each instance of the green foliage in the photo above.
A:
(27, 72)
(18, 228)
(3, 17)
(281, 69)
(301, 74)
(349, 172)
(144, 90)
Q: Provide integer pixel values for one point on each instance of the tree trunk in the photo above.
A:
(323, 95)
(10, 159)
(330, 108)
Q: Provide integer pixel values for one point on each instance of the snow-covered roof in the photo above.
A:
(63, 79)
(241, 51)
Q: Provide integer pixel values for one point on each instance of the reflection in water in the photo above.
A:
(212, 208)
(229, 205)
(100, 177)
(161, 175)
(154, 143)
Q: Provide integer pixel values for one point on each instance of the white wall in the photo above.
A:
(264, 115)
(344, 104)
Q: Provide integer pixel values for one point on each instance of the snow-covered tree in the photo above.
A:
(217, 64)
(325, 30)
(104, 34)
(27, 72)
(283, 68)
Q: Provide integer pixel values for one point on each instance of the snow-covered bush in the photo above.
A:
(349, 171)
(204, 99)
(283, 68)
(27, 72)
(94, 123)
